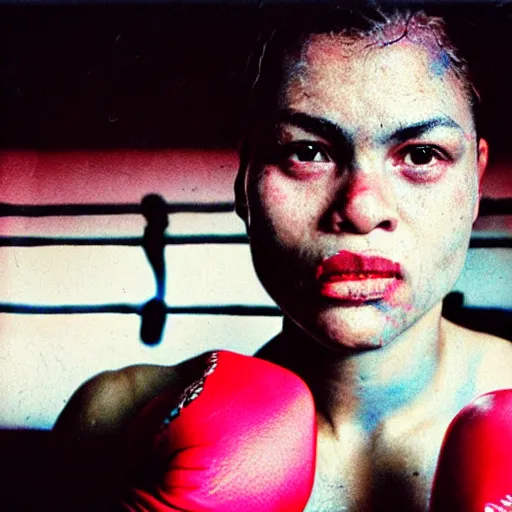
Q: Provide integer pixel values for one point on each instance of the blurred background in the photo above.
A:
(119, 127)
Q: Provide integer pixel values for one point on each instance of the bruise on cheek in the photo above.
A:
(273, 194)
(277, 195)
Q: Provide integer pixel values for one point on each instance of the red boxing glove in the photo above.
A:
(242, 437)
(474, 472)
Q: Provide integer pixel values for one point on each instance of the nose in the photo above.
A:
(364, 202)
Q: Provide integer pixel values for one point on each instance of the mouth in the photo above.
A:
(357, 278)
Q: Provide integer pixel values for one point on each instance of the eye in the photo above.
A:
(422, 155)
(304, 152)
(423, 163)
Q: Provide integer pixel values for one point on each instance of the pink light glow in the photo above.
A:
(117, 176)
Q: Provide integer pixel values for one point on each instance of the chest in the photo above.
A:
(389, 474)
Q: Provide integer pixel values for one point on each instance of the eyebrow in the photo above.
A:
(334, 132)
(318, 125)
(415, 130)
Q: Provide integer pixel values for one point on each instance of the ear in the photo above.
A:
(483, 159)
(241, 207)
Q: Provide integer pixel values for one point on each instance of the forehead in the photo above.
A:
(351, 80)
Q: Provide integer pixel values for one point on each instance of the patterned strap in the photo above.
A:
(193, 391)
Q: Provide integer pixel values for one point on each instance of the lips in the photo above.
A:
(353, 277)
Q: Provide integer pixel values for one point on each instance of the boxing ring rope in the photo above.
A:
(60, 210)
(36, 241)
(489, 206)
(234, 310)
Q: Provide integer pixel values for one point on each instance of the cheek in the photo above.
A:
(450, 215)
(284, 204)
(271, 199)
(272, 209)
(437, 225)
(446, 239)
(461, 220)
(452, 227)
(274, 195)
(459, 198)
(465, 203)
(444, 212)
(465, 196)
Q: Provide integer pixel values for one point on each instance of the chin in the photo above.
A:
(356, 329)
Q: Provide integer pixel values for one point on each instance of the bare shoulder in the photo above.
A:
(492, 356)
(103, 404)
(89, 437)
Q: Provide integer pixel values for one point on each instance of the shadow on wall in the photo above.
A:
(493, 321)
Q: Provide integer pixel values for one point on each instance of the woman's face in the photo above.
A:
(361, 202)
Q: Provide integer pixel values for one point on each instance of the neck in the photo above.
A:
(366, 387)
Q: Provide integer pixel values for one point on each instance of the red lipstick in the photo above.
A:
(353, 277)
